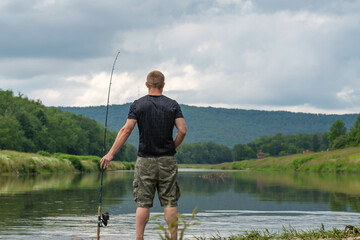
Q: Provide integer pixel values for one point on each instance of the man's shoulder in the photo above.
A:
(169, 99)
(140, 100)
(162, 100)
(149, 97)
(143, 98)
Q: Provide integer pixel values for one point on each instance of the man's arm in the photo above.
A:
(181, 131)
(121, 138)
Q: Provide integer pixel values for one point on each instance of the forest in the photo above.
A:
(278, 145)
(28, 126)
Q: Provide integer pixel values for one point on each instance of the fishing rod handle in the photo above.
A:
(98, 228)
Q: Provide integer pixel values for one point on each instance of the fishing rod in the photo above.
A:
(103, 218)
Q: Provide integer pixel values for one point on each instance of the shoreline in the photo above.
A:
(345, 161)
(20, 163)
(342, 161)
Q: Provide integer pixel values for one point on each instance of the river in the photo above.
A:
(64, 206)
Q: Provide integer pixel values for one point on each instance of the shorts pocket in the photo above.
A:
(135, 189)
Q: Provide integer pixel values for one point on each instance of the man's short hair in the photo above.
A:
(155, 79)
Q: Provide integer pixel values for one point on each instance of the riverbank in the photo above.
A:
(338, 161)
(349, 233)
(16, 163)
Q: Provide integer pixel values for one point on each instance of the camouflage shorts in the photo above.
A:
(153, 174)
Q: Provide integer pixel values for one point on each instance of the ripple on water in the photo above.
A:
(122, 226)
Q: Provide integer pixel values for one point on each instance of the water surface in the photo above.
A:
(65, 205)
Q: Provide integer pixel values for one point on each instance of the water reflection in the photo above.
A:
(339, 191)
(50, 205)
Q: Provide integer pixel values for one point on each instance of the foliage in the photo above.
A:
(208, 152)
(241, 152)
(28, 126)
(290, 144)
(130, 153)
(165, 232)
(337, 129)
(339, 142)
(44, 153)
(338, 137)
(354, 133)
(129, 165)
(12, 162)
(277, 145)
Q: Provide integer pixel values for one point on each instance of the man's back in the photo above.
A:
(155, 115)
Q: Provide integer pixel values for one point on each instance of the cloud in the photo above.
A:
(279, 59)
(252, 54)
(348, 95)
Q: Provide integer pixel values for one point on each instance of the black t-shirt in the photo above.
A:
(155, 117)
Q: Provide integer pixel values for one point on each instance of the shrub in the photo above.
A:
(76, 162)
(44, 153)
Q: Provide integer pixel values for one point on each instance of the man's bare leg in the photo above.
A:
(170, 214)
(142, 216)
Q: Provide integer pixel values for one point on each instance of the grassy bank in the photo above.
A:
(342, 160)
(12, 162)
(349, 232)
(291, 233)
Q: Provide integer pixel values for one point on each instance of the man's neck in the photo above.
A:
(155, 92)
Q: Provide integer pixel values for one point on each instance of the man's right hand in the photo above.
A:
(121, 138)
(105, 161)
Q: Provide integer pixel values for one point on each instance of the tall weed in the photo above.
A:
(165, 233)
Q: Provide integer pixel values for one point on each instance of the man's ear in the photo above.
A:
(147, 85)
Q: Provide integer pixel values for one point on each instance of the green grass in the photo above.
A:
(338, 161)
(289, 233)
(12, 162)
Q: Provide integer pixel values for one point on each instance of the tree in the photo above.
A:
(324, 141)
(354, 133)
(315, 142)
(337, 129)
(11, 135)
(205, 152)
(339, 142)
(242, 152)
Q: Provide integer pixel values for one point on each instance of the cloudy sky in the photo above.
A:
(295, 55)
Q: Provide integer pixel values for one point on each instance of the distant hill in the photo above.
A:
(226, 126)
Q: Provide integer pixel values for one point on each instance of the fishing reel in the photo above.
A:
(103, 219)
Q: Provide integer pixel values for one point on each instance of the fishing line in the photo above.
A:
(103, 218)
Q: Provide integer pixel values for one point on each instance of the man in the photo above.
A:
(156, 168)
